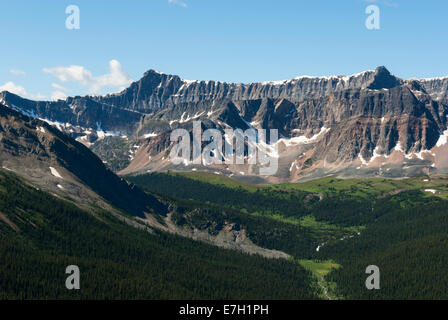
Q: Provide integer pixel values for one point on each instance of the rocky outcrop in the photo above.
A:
(42, 154)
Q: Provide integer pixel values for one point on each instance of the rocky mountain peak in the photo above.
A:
(383, 79)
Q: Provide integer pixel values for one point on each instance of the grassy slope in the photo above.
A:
(218, 180)
(371, 187)
(320, 269)
(364, 187)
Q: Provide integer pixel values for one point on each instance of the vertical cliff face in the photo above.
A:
(437, 88)
(325, 124)
(157, 91)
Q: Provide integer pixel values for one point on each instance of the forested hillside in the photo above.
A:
(40, 235)
(409, 245)
(262, 200)
(337, 229)
(399, 225)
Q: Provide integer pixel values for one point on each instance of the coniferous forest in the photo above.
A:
(43, 235)
(404, 233)
(353, 223)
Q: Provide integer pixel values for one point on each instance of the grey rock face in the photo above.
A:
(437, 87)
(157, 91)
(362, 115)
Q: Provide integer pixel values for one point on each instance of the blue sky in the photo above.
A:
(228, 40)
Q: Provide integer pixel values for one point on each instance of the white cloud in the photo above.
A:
(71, 74)
(59, 93)
(17, 72)
(56, 95)
(58, 87)
(19, 90)
(178, 2)
(116, 77)
(14, 88)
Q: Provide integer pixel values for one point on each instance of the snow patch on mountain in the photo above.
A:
(363, 161)
(303, 139)
(55, 172)
(398, 147)
(442, 139)
(150, 135)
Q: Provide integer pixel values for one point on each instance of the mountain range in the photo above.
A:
(368, 124)
(75, 189)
